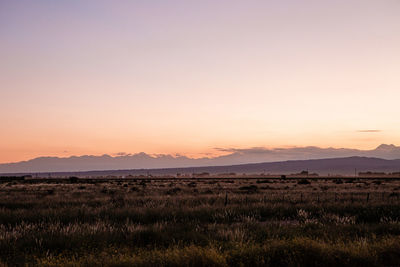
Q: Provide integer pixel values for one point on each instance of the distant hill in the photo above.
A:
(342, 166)
(233, 157)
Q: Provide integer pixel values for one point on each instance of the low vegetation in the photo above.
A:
(200, 222)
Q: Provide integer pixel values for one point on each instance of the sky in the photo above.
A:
(186, 77)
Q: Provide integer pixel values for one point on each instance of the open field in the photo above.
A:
(200, 222)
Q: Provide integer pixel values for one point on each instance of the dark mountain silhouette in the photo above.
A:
(341, 166)
(234, 157)
(335, 166)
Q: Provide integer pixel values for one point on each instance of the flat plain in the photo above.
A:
(214, 221)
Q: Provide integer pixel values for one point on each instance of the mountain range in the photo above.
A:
(384, 154)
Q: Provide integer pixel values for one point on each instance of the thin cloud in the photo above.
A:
(244, 150)
(369, 131)
(121, 154)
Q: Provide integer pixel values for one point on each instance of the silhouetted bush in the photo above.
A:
(250, 188)
(337, 181)
(73, 179)
(173, 191)
(303, 181)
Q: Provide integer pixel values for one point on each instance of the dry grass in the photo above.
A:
(203, 222)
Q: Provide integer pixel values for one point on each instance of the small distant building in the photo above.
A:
(371, 174)
(201, 175)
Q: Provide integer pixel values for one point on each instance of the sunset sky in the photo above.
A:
(94, 77)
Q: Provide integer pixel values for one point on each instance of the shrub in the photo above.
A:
(337, 181)
(250, 188)
(263, 181)
(173, 191)
(73, 179)
(303, 181)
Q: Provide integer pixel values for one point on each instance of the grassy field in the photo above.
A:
(200, 222)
